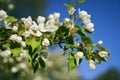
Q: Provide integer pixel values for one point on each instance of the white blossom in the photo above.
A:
(50, 26)
(90, 27)
(40, 19)
(15, 28)
(14, 69)
(42, 27)
(3, 15)
(13, 37)
(23, 43)
(11, 60)
(5, 53)
(51, 17)
(27, 21)
(82, 14)
(86, 21)
(56, 15)
(45, 42)
(38, 33)
(79, 54)
(103, 54)
(66, 20)
(22, 65)
(71, 10)
(92, 64)
(76, 43)
(34, 26)
(26, 33)
(100, 42)
(19, 39)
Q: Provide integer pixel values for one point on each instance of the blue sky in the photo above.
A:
(106, 17)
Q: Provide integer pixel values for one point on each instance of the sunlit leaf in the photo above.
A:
(81, 1)
(71, 63)
(33, 43)
(11, 19)
(69, 5)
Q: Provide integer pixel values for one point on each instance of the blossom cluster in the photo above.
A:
(44, 32)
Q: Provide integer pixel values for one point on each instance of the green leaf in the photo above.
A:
(28, 55)
(69, 40)
(71, 63)
(35, 65)
(16, 51)
(33, 43)
(41, 62)
(81, 1)
(86, 39)
(68, 5)
(16, 48)
(81, 31)
(11, 19)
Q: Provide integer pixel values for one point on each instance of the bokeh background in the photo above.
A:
(106, 17)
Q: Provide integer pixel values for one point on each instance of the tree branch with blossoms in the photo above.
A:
(31, 39)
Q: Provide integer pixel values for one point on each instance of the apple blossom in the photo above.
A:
(79, 55)
(71, 10)
(15, 28)
(5, 53)
(3, 15)
(27, 21)
(56, 15)
(23, 43)
(40, 19)
(100, 42)
(66, 20)
(13, 37)
(14, 69)
(92, 64)
(45, 42)
(103, 54)
(38, 34)
(26, 34)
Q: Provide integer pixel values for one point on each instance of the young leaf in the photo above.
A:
(11, 19)
(81, 1)
(16, 48)
(71, 63)
(16, 51)
(68, 5)
(33, 43)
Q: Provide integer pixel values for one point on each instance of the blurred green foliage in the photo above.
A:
(56, 69)
(111, 74)
(24, 8)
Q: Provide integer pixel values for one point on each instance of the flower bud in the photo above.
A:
(79, 55)
(71, 10)
(56, 15)
(103, 54)
(91, 64)
(100, 42)
(45, 42)
(66, 20)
